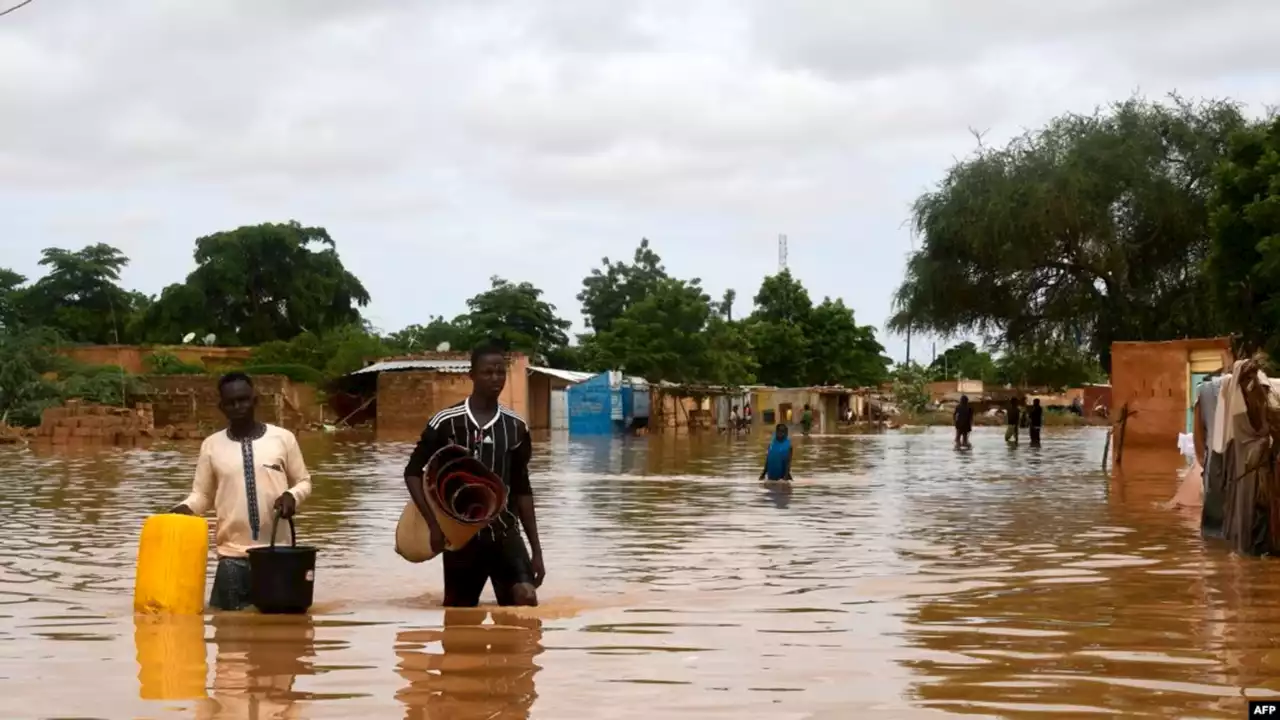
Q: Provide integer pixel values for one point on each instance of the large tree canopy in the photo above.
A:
(1244, 266)
(516, 316)
(260, 283)
(1088, 231)
(79, 297)
(662, 328)
(610, 290)
(796, 343)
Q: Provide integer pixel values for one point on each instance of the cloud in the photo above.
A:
(442, 143)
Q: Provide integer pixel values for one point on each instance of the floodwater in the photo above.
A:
(898, 579)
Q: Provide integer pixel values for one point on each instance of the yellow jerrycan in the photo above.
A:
(172, 556)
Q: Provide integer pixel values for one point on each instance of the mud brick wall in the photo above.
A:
(408, 399)
(192, 401)
(133, 357)
(1153, 378)
(94, 424)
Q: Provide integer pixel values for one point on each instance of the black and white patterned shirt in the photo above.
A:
(503, 445)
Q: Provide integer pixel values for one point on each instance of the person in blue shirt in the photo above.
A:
(777, 463)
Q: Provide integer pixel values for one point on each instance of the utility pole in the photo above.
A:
(782, 253)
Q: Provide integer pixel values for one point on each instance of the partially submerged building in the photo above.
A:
(408, 391)
(549, 396)
(608, 403)
(1157, 381)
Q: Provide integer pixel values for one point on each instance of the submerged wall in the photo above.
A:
(408, 398)
(191, 401)
(1154, 379)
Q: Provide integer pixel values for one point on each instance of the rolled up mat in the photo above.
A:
(464, 496)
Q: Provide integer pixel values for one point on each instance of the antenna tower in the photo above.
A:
(782, 253)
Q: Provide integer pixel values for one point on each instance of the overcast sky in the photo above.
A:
(445, 142)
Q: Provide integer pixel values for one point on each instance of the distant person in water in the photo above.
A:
(777, 463)
(245, 474)
(963, 419)
(1013, 417)
(806, 420)
(1035, 420)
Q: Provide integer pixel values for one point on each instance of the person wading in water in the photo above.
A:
(963, 419)
(500, 439)
(242, 471)
(1035, 421)
(777, 462)
(1013, 417)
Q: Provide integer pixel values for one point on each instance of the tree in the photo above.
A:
(608, 292)
(965, 361)
(80, 296)
(260, 283)
(911, 388)
(26, 358)
(778, 329)
(10, 288)
(335, 353)
(516, 316)
(1052, 365)
(797, 344)
(1244, 263)
(1088, 231)
(667, 336)
(842, 352)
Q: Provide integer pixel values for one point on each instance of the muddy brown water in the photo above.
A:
(898, 578)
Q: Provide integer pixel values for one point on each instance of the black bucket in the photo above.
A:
(282, 579)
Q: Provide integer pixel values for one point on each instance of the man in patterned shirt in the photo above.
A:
(244, 474)
(499, 438)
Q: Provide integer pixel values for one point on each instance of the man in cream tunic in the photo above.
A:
(245, 474)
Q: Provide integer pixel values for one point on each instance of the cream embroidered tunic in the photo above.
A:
(229, 471)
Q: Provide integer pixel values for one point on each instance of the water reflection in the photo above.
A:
(171, 657)
(469, 669)
(258, 658)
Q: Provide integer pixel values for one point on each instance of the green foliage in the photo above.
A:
(516, 317)
(100, 384)
(257, 284)
(79, 297)
(1244, 264)
(662, 328)
(1052, 365)
(328, 356)
(608, 292)
(798, 344)
(1049, 365)
(911, 387)
(296, 373)
(658, 336)
(34, 377)
(964, 361)
(1085, 232)
(163, 363)
(26, 358)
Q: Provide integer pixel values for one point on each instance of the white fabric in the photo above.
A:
(1187, 445)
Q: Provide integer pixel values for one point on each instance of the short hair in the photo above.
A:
(486, 349)
(232, 377)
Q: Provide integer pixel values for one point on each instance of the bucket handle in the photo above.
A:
(293, 532)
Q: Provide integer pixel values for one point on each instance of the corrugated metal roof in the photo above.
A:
(447, 366)
(566, 375)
